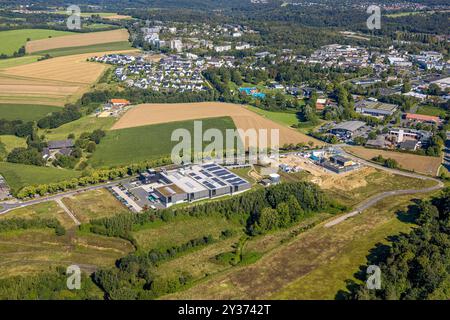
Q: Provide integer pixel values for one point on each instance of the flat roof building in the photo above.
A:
(347, 127)
(198, 182)
(375, 108)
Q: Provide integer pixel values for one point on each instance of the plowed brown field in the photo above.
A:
(243, 118)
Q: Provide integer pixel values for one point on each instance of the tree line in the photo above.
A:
(416, 265)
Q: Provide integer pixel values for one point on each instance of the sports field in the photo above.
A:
(12, 40)
(243, 118)
(133, 145)
(411, 162)
(77, 40)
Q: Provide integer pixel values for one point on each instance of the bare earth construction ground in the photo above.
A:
(146, 114)
(78, 40)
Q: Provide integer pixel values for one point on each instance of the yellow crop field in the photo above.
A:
(55, 81)
(78, 40)
(243, 118)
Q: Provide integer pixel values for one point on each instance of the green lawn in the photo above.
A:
(12, 40)
(20, 175)
(284, 118)
(431, 111)
(9, 142)
(133, 145)
(77, 127)
(14, 62)
(25, 112)
(112, 46)
(44, 210)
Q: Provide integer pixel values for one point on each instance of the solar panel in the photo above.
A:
(209, 185)
(221, 172)
(230, 176)
(213, 168)
(209, 165)
(205, 173)
(219, 182)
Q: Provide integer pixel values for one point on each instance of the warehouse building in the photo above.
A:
(347, 128)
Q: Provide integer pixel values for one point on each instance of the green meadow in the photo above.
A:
(133, 145)
(12, 40)
(111, 46)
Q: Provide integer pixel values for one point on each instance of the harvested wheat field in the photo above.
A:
(411, 162)
(78, 40)
(55, 81)
(146, 114)
(118, 17)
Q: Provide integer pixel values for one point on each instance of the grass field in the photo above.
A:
(94, 205)
(287, 119)
(163, 235)
(138, 144)
(312, 265)
(411, 162)
(14, 62)
(25, 112)
(77, 127)
(12, 40)
(19, 175)
(44, 210)
(77, 40)
(60, 52)
(37, 250)
(431, 111)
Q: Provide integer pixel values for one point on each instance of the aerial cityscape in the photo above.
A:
(224, 150)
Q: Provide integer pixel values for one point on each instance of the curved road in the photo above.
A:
(5, 207)
(377, 198)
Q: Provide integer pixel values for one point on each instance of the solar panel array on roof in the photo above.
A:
(209, 185)
(205, 173)
(219, 182)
